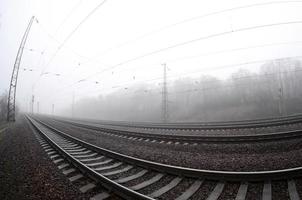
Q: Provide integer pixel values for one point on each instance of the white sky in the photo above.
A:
(120, 31)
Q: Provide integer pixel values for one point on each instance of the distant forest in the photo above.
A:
(273, 91)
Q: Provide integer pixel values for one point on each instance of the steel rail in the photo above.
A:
(187, 172)
(106, 182)
(196, 138)
(206, 125)
(245, 121)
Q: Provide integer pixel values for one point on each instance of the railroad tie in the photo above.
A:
(131, 177)
(49, 149)
(86, 156)
(109, 167)
(54, 156)
(63, 165)
(80, 152)
(72, 148)
(68, 171)
(267, 191)
(127, 168)
(100, 196)
(91, 159)
(292, 190)
(51, 152)
(58, 160)
(76, 150)
(87, 187)
(190, 191)
(241, 194)
(216, 192)
(99, 163)
(148, 182)
(166, 188)
(75, 177)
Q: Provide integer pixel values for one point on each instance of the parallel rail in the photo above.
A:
(194, 138)
(244, 124)
(177, 171)
(189, 172)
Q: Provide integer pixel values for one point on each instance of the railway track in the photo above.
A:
(189, 139)
(107, 174)
(223, 125)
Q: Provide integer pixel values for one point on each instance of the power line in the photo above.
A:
(203, 16)
(81, 23)
(71, 34)
(220, 52)
(201, 55)
(223, 85)
(213, 68)
(186, 43)
(207, 15)
(193, 19)
(193, 41)
(68, 16)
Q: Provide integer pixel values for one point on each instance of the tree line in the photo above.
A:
(274, 90)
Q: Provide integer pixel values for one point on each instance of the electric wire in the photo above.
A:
(213, 68)
(186, 43)
(193, 19)
(61, 45)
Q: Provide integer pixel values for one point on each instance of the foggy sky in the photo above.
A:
(113, 35)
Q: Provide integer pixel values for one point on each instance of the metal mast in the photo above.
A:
(13, 83)
(72, 105)
(280, 91)
(165, 115)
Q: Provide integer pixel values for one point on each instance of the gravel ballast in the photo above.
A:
(25, 170)
(236, 157)
(200, 132)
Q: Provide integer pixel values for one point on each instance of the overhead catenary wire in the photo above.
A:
(213, 68)
(190, 19)
(222, 85)
(72, 33)
(198, 17)
(223, 51)
(193, 19)
(185, 43)
(177, 23)
(70, 13)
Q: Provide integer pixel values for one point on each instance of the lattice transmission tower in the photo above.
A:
(11, 108)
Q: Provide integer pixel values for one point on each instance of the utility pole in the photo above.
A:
(53, 109)
(165, 110)
(280, 91)
(72, 106)
(38, 105)
(11, 103)
(32, 104)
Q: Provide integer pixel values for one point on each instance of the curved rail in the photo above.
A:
(181, 171)
(194, 138)
(256, 123)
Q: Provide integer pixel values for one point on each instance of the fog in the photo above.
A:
(273, 91)
(226, 60)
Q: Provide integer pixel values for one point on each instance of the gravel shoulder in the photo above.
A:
(25, 170)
